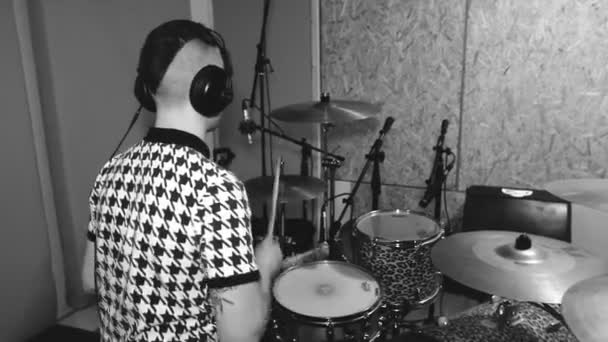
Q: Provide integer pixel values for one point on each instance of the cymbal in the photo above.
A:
(516, 266)
(585, 309)
(590, 192)
(291, 187)
(326, 111)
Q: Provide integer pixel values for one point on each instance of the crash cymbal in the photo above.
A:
(326, 111)
(516, 266)
(585, 309)
(591, 192)
(291, 188)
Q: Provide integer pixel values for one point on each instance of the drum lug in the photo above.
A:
(418, 295)
(505, 314)
(275, 331)
(373, 247)
(329, 331)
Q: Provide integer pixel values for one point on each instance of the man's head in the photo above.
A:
(171, 57)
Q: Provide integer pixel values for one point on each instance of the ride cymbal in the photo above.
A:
(291, 188)
(591, 192)
(326, 111)
(513, 265)
(585, 309)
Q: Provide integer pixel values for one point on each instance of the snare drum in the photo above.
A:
(395, 246)
(326, 301)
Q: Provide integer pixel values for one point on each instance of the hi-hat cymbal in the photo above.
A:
(585, 309)
(509, 265)
(591, 192)
(291, 188)
(326, 111)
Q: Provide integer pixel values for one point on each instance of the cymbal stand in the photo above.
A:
(329, 165)
(305, 166)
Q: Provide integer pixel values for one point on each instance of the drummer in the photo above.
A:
(170, 251)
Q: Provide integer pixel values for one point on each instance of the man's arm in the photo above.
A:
(241, 312)
(88, 268)
(248, 304)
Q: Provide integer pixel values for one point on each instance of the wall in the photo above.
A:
(522, 83)
(289, 50)
(86, 55)
(28, 292)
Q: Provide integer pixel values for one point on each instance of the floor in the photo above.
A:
(81, 326)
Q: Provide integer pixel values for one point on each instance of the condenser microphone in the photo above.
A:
(388, 123)
(444, 126)
(247, 119)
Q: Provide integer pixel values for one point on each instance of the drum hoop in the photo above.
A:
(397, 243)
(330, 321)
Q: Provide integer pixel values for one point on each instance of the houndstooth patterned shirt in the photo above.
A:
(168, 225)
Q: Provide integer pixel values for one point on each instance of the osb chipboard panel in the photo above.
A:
(406, 55)
(536, 87)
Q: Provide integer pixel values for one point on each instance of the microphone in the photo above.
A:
(223, 156)
(388, 123)
(246, 120)
(444, 126)
(314, 254)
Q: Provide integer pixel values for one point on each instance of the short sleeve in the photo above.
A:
(93, 207)
(227, 244)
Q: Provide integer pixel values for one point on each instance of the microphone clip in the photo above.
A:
(247, 127)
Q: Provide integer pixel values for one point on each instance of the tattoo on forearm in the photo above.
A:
(216, 298)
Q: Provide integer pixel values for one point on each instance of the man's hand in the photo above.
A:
(269, 257)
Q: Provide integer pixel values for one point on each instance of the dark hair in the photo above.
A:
(163, 43)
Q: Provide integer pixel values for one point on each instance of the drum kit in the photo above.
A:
(391, 261)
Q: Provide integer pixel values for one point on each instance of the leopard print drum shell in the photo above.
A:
(395, 246)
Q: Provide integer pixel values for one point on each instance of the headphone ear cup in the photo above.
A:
(143, 95)
(210, 91)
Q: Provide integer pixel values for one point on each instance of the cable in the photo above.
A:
(333, 198)
(133, 120)
(449, 167)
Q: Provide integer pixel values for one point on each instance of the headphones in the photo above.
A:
(211, 89)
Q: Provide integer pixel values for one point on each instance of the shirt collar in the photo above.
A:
(177, 137)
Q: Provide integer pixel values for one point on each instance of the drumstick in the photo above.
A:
(274, 199)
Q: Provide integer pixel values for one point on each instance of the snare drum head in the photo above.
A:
(397, 225)
(327, 289)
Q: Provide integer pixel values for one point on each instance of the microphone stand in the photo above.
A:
(374, 155)
(376, 183)
(248, 127)
(438, 174)
(262, 63)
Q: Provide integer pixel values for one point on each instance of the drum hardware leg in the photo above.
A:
(366, 328)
